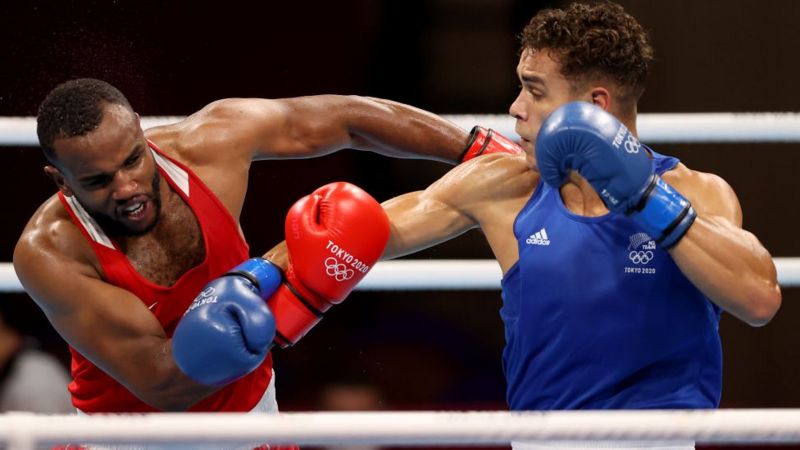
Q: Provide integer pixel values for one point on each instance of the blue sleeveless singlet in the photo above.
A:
(598, 316)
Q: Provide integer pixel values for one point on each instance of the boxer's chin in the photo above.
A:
(136, 217)
(141, 219)
(137, 220)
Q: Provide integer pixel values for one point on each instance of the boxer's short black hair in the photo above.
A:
(73, 109)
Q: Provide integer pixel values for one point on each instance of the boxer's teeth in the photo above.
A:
(133, 209)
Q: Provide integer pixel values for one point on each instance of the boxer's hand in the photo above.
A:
(583, 137)
(228, 329)
(333, 236)
(484, 141)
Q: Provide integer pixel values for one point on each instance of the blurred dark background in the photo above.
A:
(401, 350)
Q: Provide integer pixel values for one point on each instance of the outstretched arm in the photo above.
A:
(305, 127)
(417, 220)
(485, 192)
(422, 219)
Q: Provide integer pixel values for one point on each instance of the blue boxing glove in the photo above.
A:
(228, 329)
(583, 137)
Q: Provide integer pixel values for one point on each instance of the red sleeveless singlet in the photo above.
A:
(93, 391)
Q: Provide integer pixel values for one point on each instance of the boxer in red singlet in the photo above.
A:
(145, 218)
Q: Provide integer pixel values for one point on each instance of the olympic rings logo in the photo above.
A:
(207, 292)
(337, 270)
(640, 257)
(632, 144)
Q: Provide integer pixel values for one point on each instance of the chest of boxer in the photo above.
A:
(171, 249)
(598, 316)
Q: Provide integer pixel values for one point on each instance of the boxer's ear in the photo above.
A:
(59, 179)
(601, 97)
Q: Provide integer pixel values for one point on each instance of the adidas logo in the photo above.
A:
(538, 238)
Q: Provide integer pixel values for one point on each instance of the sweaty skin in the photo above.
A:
(113, 175)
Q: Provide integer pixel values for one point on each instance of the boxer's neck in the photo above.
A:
(580, 197)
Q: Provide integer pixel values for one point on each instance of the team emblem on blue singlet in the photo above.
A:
(641, 250)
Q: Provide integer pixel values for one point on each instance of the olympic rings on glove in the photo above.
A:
(337, 270)
(632, 144)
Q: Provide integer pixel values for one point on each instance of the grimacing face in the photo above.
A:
(112, 173)
(542, 89)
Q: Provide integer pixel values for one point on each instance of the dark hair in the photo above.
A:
(73, 109)
(589, 40)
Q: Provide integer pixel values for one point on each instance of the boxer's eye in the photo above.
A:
(133, 159)
(535, 93)
(96, 182)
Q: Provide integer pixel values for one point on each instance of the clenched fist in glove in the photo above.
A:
(334, 236)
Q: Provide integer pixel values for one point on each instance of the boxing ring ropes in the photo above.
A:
(24, 431)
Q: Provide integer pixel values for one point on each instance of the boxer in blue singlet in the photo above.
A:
(617, 261)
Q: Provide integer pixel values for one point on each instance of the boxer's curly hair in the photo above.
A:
(590, 40)
(73, 109)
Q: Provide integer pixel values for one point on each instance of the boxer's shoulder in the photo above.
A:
(52, 229)
(173, 141)
(708, 192)
(679, 173)
(51, 223)
(682, 176)
(234, 125)
(52, 245)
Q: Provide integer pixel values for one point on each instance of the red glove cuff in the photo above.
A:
(484, 141)
(296, 310)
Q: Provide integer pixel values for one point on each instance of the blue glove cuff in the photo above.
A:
(663, 213)
(265, 276)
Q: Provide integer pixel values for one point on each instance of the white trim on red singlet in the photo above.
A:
(178, 176)
(95, 232)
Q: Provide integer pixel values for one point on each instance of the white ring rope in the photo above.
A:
(743, 426)
(652, 127)
(437, 275)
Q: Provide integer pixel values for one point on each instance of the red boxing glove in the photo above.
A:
(334, 236)
(483, 141)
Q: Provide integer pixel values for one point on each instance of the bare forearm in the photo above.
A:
(418, 221)
(181, 399)
(138, 355)
(278, 255)
(399, 130)
(163, 385)
(404, 237)
(731, 267)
